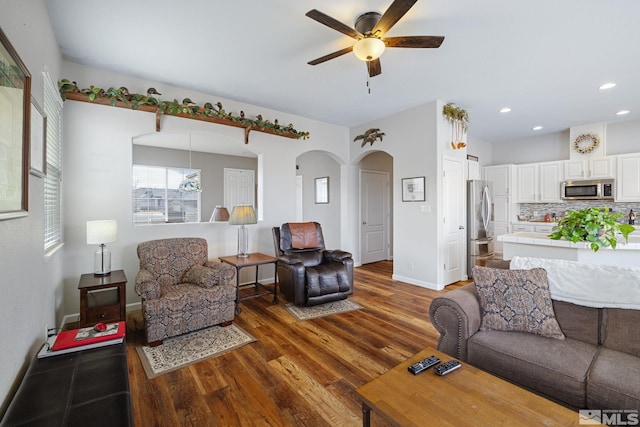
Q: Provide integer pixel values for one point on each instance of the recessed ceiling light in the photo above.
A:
(505, 110)
(607, 86)
(537, 127)
(622, 112)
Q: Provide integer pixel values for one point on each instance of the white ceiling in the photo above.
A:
(543, 58)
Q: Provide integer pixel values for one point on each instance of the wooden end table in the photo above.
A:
(254, 259)
(465, 397)
(102, 298)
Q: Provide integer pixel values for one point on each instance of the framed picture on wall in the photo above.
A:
(322, 189)
(413, 189)
(15, 110)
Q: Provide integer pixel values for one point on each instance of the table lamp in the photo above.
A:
(100, 233)
(241, 215)
(220, 214)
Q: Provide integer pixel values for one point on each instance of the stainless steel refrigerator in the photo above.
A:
(480, 233)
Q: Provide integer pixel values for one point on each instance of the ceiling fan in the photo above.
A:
(369, 31)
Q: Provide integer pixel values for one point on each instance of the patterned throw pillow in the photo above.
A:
(202, 276)
(516, 301)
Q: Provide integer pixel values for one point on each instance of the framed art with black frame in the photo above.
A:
(413, 189)
(15, 110)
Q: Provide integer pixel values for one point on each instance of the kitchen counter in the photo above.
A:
(550, 223)
(538, 245)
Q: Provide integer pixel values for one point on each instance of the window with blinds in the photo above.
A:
(53, 178)
(156, 198)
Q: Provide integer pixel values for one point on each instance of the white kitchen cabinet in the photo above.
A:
(575, 169)
(520, 227)
(547, 228)
(539, 182)
(550, 179)
(628, 178)
(603, 167)
(501, 178)
(527, 179)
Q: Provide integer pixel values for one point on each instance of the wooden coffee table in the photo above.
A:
(464, 397)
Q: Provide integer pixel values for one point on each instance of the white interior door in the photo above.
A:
(453, 231)
(239, 188)
(374, 214)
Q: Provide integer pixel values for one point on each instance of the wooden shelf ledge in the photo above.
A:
(82, 97)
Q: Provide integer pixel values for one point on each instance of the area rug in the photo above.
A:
(306, 313)
(181, 351)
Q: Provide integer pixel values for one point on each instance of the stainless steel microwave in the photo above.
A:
(602, 189)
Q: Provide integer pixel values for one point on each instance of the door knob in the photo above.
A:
(364, 222)
(461, 227)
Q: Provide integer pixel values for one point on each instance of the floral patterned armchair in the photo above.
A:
(181, 290)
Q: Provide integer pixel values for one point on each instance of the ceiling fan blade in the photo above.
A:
(331, 56)
(330, 22)
(393, 14)
(414, 41)
(374, 67)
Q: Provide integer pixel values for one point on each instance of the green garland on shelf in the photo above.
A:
(136, 100)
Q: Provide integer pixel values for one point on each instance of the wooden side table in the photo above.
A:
(254, 259)
(102, 298)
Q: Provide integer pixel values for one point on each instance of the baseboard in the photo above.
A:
(415, 282)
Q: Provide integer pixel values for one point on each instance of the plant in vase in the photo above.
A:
(459, 120)
(596, 226)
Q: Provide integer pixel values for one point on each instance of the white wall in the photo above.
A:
(410, 138)
(621, 138)
(543, 148)
(31, 286)
(483, 150)
(314, 165)
(98, 174)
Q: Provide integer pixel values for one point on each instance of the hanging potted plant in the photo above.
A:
(459, 120)
(596, 226)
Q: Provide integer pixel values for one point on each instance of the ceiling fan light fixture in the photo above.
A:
(369, 48)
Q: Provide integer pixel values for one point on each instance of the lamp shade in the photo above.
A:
(220, 214)
(369, 48)
(100, 232)
(242, 214)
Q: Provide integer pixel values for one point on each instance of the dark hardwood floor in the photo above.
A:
(298, 373)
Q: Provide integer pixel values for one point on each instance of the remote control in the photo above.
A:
(423, 365)
(447, 367)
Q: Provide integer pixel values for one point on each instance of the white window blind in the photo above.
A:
(53, 178)
(156, 198)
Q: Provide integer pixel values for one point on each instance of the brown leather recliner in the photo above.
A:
(308, 274)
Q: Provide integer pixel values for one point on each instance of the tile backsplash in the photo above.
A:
(560, 208)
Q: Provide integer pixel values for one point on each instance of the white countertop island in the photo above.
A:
(538, 245)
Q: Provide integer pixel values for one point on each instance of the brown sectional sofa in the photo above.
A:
(597, 365)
